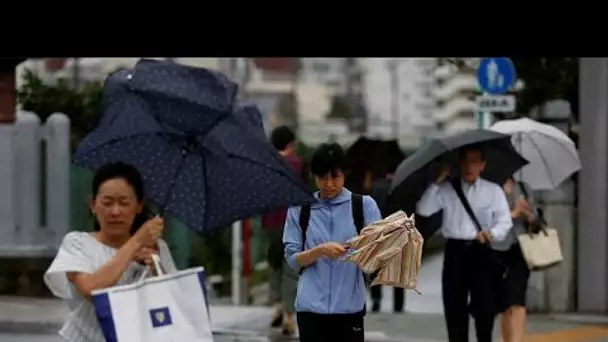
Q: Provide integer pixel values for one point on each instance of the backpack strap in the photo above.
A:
(357, 208)
(304, 218)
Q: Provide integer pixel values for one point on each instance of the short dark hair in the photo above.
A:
(462, 153)
(282, 136)
(328, 157)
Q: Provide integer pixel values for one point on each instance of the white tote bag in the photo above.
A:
(169, 307)
(541, 250)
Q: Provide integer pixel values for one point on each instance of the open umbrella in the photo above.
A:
(552, 154)
(376, 155)
(415, 173)
(208, 174)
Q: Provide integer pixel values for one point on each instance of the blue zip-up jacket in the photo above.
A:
(328, 286)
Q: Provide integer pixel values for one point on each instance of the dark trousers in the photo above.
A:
(398, 296)
(314, 327)
(468, 268)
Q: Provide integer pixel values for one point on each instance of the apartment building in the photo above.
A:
(399, 96)
(328, 71)
(455, 94)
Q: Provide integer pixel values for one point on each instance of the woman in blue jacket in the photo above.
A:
(330, 300)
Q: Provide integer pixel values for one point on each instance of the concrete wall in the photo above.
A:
(34, 205)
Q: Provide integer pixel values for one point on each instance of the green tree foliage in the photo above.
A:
(81, 105)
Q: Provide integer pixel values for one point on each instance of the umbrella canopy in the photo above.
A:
(552, 154)
(415, 173)
(376, 155)
(393, 247)
(207, 175)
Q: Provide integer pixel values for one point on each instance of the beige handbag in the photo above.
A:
(541, 250)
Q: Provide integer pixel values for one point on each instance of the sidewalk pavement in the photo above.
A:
(46, 316)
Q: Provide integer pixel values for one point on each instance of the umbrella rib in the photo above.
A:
(258, 163)
(542, 157)
(560, 143)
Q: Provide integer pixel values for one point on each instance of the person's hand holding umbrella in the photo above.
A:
(332, 249)
(444, 173)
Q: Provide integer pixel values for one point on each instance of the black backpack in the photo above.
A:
(356, 202)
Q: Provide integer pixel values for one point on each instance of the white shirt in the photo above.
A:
(81, 252)
(487, 200)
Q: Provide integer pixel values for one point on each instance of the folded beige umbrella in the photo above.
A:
(393, 247)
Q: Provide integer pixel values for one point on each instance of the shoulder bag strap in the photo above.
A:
(467, 206)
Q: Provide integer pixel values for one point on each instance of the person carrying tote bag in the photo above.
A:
(540, 244)
(121, 246)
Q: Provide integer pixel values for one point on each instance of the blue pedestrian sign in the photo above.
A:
(496, 75)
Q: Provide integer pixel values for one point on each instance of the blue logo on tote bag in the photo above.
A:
(160, 317)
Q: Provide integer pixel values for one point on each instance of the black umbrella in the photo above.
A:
(415, 173)
(376, 155)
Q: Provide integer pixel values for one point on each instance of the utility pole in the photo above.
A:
(392, 66)
(76, 72)
(353, 95)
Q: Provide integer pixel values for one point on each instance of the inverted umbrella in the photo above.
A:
(207, 180)
(552, 154)
(393, 247)
(419, 170)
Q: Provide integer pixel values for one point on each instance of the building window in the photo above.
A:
(425, 106)
(320, 67)
(333, 83)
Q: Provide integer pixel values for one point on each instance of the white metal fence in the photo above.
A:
(35, 185)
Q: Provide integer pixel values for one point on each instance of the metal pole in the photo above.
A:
(392, 66)
(76, 72)
(484, 119)
(237, 265)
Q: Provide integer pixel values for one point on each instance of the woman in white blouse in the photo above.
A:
(116, 253)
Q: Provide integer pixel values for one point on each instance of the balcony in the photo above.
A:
(454, 108)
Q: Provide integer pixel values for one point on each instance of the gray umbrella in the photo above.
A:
(552, 154)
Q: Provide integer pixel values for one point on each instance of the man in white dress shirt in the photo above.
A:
(468, 266)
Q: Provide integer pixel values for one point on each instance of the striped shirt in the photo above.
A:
(81, 252)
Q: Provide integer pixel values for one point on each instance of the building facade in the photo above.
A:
(327, 71)
(455, 94)
(399, 96)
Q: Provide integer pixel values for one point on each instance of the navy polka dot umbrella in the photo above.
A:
(204, 159)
